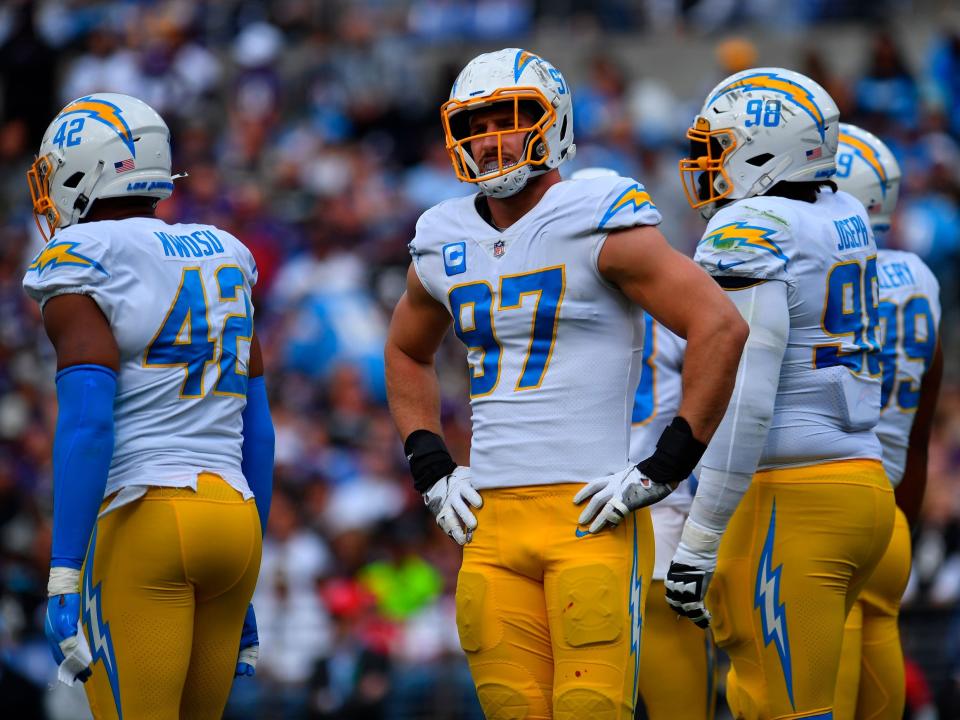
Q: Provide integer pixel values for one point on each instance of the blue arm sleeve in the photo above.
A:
(258, 444)
(82, 450)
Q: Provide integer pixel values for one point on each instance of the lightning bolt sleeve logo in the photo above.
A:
(869, 155)
(791, 91)
(773, 613)
(742, 234)
(634, 196)
(58, 254)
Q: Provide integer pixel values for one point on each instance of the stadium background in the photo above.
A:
(310, 130)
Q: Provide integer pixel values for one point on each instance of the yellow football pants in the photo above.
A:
(871, 684)
(164, 598)
(688, 691)
(550, 618)
(796, 554)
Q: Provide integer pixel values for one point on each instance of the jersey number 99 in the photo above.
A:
(852, 310)
(909, 327)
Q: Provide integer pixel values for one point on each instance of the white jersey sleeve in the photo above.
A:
(552, 348)
(828, 392)
(178, 301)
(73, 262)
(749, 239)
(910, 320)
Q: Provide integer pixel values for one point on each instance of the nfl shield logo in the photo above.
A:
(498, 248)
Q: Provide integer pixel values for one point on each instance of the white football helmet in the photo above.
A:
(757, 128)
(99, 146)
(531, 85)
(868, 170)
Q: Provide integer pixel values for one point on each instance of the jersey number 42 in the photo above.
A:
(184, 338)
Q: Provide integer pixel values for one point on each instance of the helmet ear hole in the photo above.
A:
(563, 129)
(760, 160)
(73, 180)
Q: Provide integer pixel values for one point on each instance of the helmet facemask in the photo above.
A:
(704, 178)
(38, 179)
(510, 175)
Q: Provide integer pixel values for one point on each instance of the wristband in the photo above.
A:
(677, 454)
(429, 459)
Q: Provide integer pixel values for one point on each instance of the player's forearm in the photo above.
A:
(82, 451)
(259, 441)
(912, 486)
(910, 491)
(413, 392)
(714, 346)
(734, 452)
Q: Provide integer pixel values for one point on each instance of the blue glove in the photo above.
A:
(69, 647)
(249, 646)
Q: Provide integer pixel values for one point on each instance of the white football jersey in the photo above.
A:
(553, 348)
(177, 298)
(909, 322)
(658, 399)
(828, 399)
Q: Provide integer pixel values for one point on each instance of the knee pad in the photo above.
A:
(478, 624)
(502, 702)
(592, 605)
(579, 702)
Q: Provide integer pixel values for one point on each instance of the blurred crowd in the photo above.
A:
(311, 131)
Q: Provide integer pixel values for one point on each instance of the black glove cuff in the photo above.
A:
(677, 454)
(429, 459)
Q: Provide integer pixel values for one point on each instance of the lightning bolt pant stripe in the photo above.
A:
(798, 549)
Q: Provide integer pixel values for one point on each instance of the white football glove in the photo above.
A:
(448, 499)
(613, 496)
(690, 572)
(62, 626)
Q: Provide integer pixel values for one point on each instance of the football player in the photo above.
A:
(871, 681)
(163, 454)
(691, 693)
(543, 281)
(795, 462)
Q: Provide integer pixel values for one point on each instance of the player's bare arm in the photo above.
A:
(79, 332)
(256, 357)
(416, 330)
(413, 392)
(909, 492)
(686, 300)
